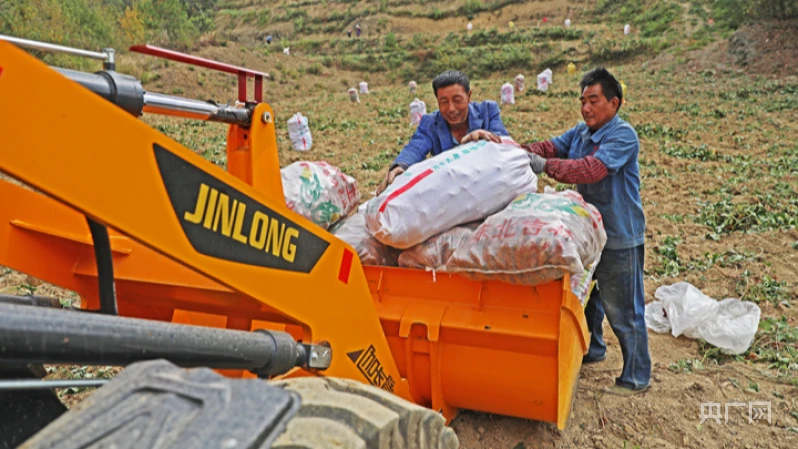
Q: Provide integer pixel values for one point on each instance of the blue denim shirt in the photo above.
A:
(433, 134)
(617, 196)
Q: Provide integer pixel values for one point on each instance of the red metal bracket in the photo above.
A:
(209, 64)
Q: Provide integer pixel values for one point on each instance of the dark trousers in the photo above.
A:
(619, 295)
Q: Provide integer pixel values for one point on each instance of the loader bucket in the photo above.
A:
(489, 346)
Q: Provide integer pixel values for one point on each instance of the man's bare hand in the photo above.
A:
(481, 134)
(389, 177)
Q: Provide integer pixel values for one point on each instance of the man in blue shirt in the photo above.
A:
(457, 121)
(600, 156)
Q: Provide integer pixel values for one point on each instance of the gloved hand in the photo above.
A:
(538, 163)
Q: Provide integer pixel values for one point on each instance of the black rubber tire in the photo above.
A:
(156, 404)
(345, 413)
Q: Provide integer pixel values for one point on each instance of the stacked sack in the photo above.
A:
(464, 184)
(353, 231)
(536, 239)
(319, 192)
(475, 211)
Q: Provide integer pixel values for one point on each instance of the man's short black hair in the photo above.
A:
(609, 85)
(450, 78)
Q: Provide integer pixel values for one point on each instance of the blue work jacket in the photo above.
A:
(433, 134)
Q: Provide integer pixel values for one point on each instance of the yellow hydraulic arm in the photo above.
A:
(76, 147)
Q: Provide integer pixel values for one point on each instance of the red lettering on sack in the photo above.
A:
(510, 231)
(532, 227)
(481, 232)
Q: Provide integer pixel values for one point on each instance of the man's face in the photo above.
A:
(453, 103)
(596, 110)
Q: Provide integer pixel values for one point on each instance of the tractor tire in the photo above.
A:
(157, 404)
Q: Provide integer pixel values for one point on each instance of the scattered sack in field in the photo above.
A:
(299, 132)
(433, 253)
(319, 192)
(469, 27)
(519, 83)
(567, 23)
(286, 51)
(464, 184)
(353, 96)
(571, 68)
(412, 86)
(508, 97)
(417, 110)
(364, 87)
(549, 76)
(353, 231)
(543, 82)
(534, 240)
(682, 309)
(627, 29)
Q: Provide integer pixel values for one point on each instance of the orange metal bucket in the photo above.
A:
(488, 346)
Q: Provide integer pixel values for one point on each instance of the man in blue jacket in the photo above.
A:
(600, 157)
(457, 121)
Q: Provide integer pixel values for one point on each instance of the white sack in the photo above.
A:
(543, 82)
(464, 184)
(319, 192)
(508, 97)
(519, 83)
(417, 110)
(299, 132)
(353, 96)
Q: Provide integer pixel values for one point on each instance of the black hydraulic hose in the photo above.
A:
(33, 335)
(105, 267)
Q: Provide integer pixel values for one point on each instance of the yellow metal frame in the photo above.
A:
(441, 341)
(90, 155)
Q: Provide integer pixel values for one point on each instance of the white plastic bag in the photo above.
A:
(353, 231)
(364, 87)
(686, 307)
(469, 26)
(567, 23)
(286, 51)
(412, 86)
(682, 309)
(734, 327)
(458, 186)
(433, 253)
(536, 239)
(319, 192)
(519, 83)
(627, 29)
(299, 132)
(417, 110)
(508, 97)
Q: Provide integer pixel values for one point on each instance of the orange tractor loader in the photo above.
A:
(182, 264)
